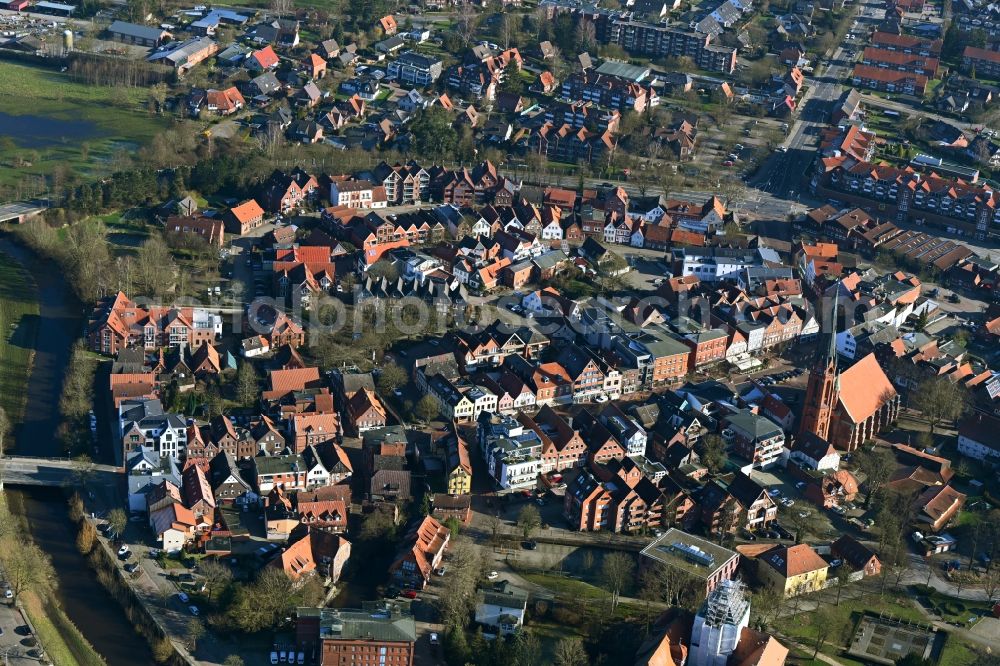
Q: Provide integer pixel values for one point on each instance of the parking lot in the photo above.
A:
(17, 643)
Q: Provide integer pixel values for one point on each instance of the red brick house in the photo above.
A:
(210, 228)
(517, 275)
(365, 411)
(314, 66)
(244, 217)
(562, 445)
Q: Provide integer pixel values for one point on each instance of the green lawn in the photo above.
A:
(801, 627)
(117, 117)
(950, 608)
(19, 321)
(900, 605)
(568, 587)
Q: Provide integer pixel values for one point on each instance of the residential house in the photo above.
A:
(792, 570)
(500, 608)
(244, 217)
(423, 549)
(173, 526)
(937, 506)
(854, 554)
(755, 438)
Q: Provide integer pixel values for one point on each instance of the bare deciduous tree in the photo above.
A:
(616, 570)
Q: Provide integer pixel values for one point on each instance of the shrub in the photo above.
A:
(567, 616)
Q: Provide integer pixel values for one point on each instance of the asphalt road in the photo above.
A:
(783, 174)
(14, 642)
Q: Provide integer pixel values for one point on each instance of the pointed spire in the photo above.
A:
(832, 352)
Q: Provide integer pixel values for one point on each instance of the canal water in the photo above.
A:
(91, 608)
(97, 615)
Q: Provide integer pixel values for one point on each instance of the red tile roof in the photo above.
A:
(265, 57)
(246, 211)
(864, 388)
(981, 54)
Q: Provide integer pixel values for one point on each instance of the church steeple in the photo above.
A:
(823, 389)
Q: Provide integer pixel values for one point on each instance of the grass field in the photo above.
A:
(113, 114)
(900, 605)
(18, 320)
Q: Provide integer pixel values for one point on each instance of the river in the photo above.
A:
(91, 608)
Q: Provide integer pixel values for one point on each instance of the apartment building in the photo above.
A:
(616, 498)
(415, 69)
(117, 323)
(907, 44)
(945, 202)
(512, 451)
(404, 184)
(754, 438)
(900, 61)
(663, 41)
(565, 143)
(608, 91)
(984, 62)
(357, 194)
(887, 80)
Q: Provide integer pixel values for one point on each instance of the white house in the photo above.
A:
(357, 194)
(174, 526)
(553, 230)
(483, 400)
(316, 472)
(978, 436)
(146, 469)
(626, 430)
(500, 608)
(711, 264)
(144, 423)
(812, 452)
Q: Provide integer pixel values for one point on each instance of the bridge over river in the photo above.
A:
(55, 472)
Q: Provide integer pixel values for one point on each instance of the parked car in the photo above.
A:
(183, 597)
(194, 610)
(440, 571)
(274, 657)
(493, 575)
(529, 545)
(410, 594)
(131, 567)
(123, 551)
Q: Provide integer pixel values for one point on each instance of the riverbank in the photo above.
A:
(19, 323)
(101, 629)
(58, 637)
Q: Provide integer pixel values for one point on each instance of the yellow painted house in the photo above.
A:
(793, 569)
(459, 467)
